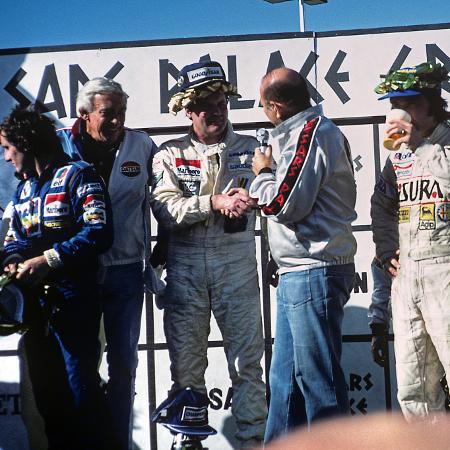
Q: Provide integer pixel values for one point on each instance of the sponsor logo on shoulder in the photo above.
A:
(130, 169)
(94, 216)
(56, 205)
(60, 177)
(94, 201)
(89, 187)
(402, 156)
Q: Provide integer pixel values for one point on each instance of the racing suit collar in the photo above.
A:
(292, 122)
(212, 149)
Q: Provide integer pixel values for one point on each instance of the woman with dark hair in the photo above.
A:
(60, 223)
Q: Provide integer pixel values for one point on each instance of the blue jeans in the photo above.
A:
(122, 293)
(306, 380)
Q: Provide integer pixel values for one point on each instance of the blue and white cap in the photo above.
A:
(186, 412)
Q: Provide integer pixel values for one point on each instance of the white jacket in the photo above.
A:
(310, 198)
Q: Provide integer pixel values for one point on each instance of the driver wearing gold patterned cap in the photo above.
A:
(410, 211)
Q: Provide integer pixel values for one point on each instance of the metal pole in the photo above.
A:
(302, 16)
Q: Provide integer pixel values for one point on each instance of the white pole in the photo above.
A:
(302, 16)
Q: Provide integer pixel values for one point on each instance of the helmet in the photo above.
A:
(11, 310)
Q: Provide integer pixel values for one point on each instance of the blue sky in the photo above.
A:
(34, 23)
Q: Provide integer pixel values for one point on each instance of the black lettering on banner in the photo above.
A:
(236, 103)
(76, 77)
(11, 88)
(50, 80)
(165, 69)
(275, 62)
(229, 399)
(215, 398)
(401, 58)
(357, 165)
(115, 69)
(360, 283)
(304, 71)
(434, 53)
(10, 404)
(361, 406)
(355, 382)
(335, 78)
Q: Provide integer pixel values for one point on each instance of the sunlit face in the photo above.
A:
(418, 107)
(106, 121)
(22, 161)
(209, 118)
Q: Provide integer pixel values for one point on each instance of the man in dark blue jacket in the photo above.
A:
(61, 222)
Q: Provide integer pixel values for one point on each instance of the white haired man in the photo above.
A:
(123, 158)
(211, 264)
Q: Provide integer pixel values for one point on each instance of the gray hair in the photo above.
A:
(99, 85)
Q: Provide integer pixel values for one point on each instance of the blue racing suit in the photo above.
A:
(66, 210)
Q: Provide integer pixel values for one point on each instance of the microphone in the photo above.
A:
(262, 135)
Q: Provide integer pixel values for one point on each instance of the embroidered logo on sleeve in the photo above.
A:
(94, 201)
(88, 187)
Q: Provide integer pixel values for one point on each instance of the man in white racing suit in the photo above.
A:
(200, 194)
(411, 204)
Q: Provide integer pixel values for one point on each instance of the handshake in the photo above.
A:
(234, 203)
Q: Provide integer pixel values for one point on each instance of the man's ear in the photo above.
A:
(84, 116)
(278, 109)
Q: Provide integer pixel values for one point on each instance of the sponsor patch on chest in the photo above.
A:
(29, 215)
(427, 219)
(443, 211)
(130, 169)
(56, 205)
(188, 167)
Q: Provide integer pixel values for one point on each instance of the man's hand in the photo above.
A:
(392, 265)
(261, 159)
(235, 203)
(379, 345)
(271, 276)
(410, 135)
(33, 271)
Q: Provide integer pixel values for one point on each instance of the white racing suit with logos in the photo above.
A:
(411, 203)
(211, 266)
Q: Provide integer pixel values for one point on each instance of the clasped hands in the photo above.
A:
(234, 203)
